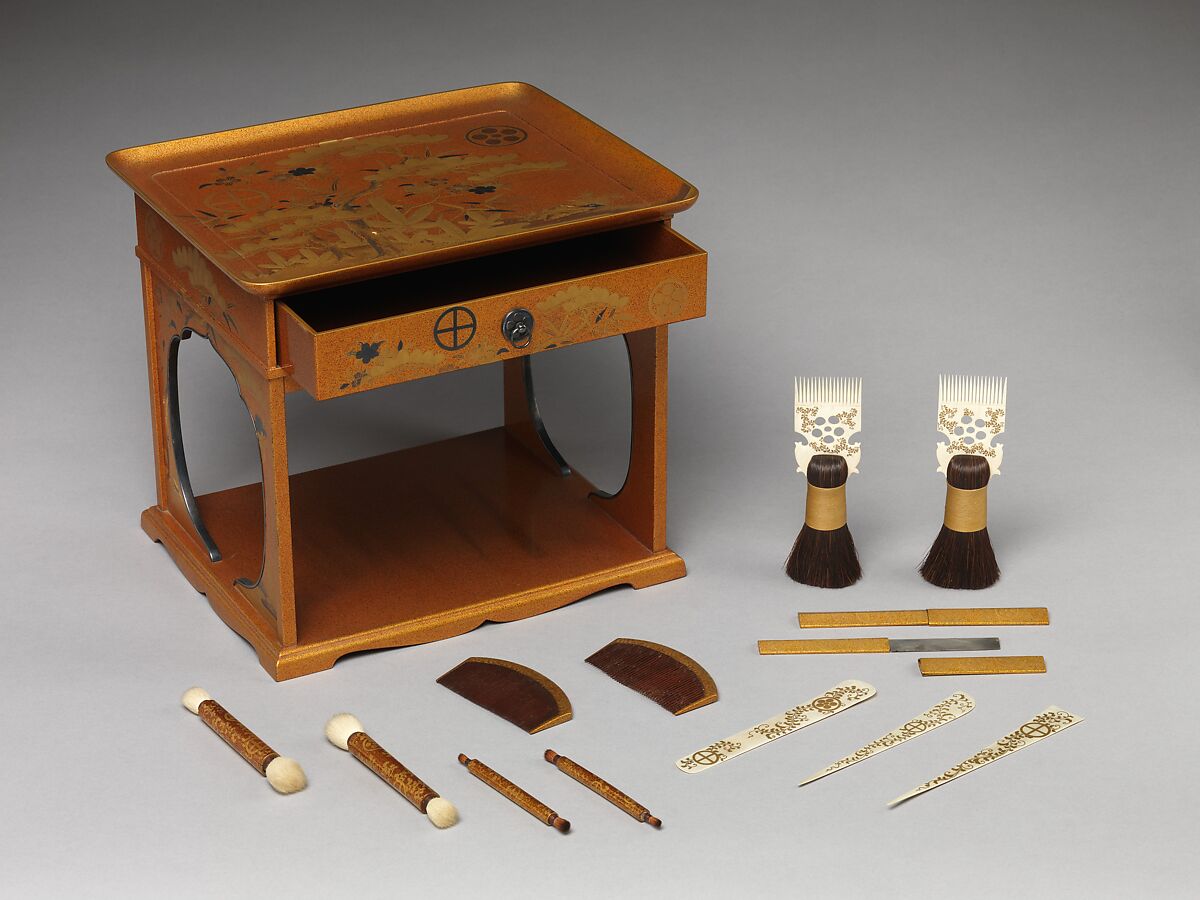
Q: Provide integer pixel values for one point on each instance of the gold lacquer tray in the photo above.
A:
(321, 200)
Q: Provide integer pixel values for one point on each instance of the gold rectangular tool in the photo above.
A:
(877, 645)
(983, 665)
(887, 618)
(1031, 615)
(864, 619)
(831, 645)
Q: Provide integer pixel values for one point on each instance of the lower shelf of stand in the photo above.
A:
(419, 545)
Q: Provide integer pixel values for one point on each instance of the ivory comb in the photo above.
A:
(828, 415)
(970, 415)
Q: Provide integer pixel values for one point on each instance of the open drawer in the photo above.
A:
(425, 322)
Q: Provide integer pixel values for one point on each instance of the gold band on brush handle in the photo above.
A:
(825, 508)
(523, 799)
(594, 782)
(391, 770)
(966, 511)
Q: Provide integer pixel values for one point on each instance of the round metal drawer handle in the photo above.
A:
(517, 327)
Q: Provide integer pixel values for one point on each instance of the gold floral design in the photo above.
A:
(575, 312)
(668, 299)
(155, 239)
(380, 359)
(188, 259)
(950, 420)
(346, 202)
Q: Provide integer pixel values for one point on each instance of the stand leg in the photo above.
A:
(521, 416)
(170, 318)
(641, 503)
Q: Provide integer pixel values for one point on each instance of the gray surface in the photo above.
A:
(889, 190)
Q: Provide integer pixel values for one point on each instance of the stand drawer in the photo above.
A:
(409, 326)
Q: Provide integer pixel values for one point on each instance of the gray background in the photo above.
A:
(889, 190)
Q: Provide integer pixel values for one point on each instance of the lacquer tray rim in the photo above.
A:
(139, 165)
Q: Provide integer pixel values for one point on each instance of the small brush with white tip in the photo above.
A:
(346, 732)
(282, 773)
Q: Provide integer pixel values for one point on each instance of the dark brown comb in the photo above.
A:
(675, 682)
(524, 697)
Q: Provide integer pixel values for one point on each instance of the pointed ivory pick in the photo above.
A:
(953, 707)
(1050, 721)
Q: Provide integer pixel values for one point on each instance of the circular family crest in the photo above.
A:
(1035, 730)
(826, 703)
(454, 328)
(496, 135)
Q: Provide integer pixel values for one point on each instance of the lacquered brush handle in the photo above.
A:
(248, 745)
(595, 783)
(523, 799)
(391, 770)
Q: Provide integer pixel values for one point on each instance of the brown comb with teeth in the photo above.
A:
(528, 699)
(675, 682)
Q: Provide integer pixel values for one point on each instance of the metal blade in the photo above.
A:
(936, 645)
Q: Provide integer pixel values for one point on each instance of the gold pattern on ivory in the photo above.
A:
(828, 415)
(839, 697)
(970, 414)
(1044, 724)
(948, 710)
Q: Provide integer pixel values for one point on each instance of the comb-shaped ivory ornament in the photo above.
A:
(970, 415)
(828, 415)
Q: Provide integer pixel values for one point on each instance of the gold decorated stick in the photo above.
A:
(282, 773)
(346, 732)
(617, 798)
(523, 799)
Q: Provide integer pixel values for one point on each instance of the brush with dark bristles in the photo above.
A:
(970, 413)
(828, 414)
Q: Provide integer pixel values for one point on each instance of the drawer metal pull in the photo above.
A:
(517, 327)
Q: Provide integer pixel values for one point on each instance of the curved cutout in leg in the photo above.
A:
(607, 495)
(535, 418)
(180, 457)
(177, 451)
